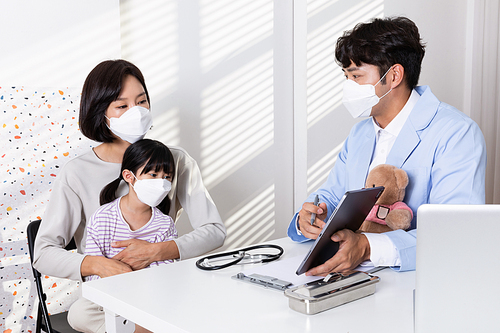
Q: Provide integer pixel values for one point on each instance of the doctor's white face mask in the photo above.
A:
(132, 125)
(359, 99)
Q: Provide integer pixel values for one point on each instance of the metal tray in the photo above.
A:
(334, 290)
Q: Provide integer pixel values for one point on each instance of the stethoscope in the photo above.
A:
(239, 257)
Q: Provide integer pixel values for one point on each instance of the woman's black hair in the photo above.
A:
(151, 154)
(384, 43)
(102, 87)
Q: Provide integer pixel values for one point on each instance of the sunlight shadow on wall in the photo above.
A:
(253, 221)
(50, 56)
(324, 77)
(150, 39)
(154, 26)
(318, 172)
(166, 126)
(327, 21)
(229, 28)
(237, 119)
(236, 110)
(317, 6)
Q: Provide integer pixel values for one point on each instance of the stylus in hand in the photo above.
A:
(313, 215)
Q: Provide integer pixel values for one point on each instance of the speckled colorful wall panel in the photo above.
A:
(38, 135)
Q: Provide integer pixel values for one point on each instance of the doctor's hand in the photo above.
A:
(308, 230)
(354, 248)
(139, 254)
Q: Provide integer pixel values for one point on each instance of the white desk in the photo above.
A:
(181, 298)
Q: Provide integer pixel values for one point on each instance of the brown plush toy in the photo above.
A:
(389, 212)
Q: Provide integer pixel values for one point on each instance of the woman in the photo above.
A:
(109, 113)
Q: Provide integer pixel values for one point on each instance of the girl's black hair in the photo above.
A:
(151, 154)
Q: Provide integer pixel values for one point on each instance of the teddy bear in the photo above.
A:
(389, 212)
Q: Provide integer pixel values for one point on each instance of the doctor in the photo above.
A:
(441, 149)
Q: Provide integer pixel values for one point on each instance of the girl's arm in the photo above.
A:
(140, 253)
(95, 264)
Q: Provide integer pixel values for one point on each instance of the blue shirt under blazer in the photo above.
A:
(441, 149)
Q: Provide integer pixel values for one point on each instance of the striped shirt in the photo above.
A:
(107, 225)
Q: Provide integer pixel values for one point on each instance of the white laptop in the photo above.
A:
(458, 269)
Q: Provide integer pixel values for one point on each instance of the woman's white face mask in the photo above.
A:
(359, 99)
(132, 125)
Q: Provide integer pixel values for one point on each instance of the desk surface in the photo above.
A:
(181, 298)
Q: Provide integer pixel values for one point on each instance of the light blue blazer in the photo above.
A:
(441, 149)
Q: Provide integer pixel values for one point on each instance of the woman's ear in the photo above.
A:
(128, 176)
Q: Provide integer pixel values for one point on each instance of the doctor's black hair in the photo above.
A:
(102, 87)
(383, 43)
(151, 154)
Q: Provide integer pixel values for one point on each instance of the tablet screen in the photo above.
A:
(349, 214)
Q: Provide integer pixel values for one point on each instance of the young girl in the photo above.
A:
(148, 168)
(111, 90)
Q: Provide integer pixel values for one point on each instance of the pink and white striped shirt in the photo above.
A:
(107, 225)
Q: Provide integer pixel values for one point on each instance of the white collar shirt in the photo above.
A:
(385, 137)
(382, 250)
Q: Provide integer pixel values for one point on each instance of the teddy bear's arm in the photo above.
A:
(399, 219)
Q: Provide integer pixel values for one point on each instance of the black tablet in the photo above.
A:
(349, 214)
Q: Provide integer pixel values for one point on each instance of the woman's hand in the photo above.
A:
(139, 254)
(103, 267)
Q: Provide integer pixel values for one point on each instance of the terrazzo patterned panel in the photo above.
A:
(38, 135)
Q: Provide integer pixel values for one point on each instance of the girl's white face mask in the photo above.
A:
(359, 99)
(132, 125)
(152, 191)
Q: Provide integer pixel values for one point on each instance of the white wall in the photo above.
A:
(56, 43)
(443, 27)
(328, 122)
(220, 77)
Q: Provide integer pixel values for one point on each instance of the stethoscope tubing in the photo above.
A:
(240, 255)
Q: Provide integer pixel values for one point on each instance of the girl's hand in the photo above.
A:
(139, 254)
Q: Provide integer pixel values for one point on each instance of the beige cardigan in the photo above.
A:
(75, 197)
